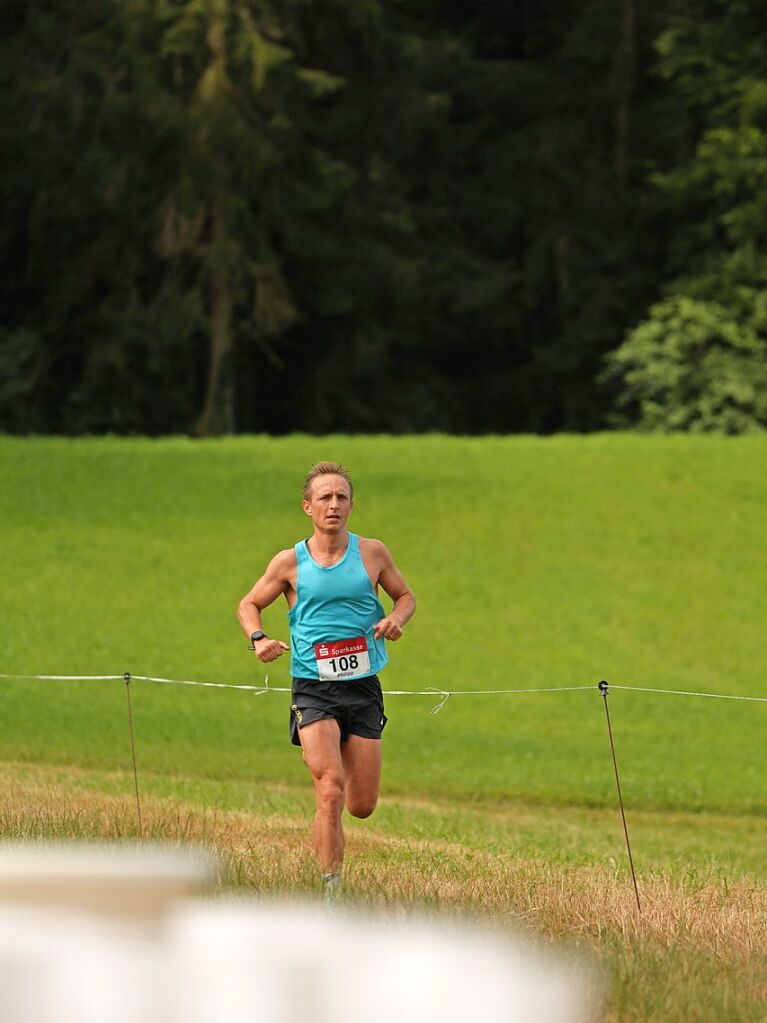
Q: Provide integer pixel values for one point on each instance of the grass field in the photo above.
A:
(695, 953)
(537, 562)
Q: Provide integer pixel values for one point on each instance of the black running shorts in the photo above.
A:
(356, 704)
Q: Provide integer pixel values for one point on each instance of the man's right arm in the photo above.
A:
(274, 581)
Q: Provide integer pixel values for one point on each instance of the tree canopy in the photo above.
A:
(272, 215)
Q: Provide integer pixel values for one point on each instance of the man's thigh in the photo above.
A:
(321, 744)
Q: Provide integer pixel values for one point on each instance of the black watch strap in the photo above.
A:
(255, 636)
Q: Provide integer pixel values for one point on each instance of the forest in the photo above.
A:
(270, 216)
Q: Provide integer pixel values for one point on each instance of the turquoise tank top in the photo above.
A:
(331, 622)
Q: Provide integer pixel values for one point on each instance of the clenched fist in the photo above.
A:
(269, 649)
(389, 627)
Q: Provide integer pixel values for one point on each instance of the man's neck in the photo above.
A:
(329, 544)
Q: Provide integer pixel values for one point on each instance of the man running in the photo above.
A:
(338, 629)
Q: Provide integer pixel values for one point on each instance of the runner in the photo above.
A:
(338, 629)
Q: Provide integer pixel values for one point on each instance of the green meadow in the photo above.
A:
(537, 564)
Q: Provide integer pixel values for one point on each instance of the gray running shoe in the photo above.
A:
(331, 886)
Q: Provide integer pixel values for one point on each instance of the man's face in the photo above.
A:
(329, 503)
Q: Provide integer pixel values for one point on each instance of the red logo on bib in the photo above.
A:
(342, 659)
(341, 648)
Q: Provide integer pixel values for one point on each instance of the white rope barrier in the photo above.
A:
(70, 678)
(259, 690)
(444, 694)
(684, 692)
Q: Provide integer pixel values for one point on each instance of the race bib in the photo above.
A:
(343, 658)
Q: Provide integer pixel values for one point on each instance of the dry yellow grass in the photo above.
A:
(706, 937)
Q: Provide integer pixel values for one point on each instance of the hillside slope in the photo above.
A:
(536, 563)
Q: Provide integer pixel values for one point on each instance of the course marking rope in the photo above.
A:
(443, 694)
(70, 678)
(682, 692)
(258, 690)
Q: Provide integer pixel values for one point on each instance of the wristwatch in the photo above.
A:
(255, 636)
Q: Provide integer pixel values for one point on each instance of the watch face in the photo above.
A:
(255, 636)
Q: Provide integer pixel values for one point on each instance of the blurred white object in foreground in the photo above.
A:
(70, 951)
(233, 962)
(123, 883)
(61, 968)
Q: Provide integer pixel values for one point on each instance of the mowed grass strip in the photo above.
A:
(537, 562)
(695, 952)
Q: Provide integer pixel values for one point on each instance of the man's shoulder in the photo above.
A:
(284, 561)
(371, 546)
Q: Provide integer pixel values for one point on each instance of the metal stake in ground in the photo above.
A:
(603, 687)
(126, 677)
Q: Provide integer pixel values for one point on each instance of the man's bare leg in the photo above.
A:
(361, 759)
(347, 773)
(321, 742)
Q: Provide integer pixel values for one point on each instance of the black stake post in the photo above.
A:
(126, 676)
(603, 687)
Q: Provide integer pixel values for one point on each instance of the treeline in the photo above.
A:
(369, 215)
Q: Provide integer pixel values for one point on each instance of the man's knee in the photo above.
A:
(361, 806)
(330, 793)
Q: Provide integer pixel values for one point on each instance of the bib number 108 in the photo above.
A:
(344, 663)
(343, 658)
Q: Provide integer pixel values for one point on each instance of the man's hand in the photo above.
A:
(389, 627)
(269, 649)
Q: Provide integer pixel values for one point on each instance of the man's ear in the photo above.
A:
(306, 505)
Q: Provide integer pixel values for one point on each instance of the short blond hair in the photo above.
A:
(326, 469)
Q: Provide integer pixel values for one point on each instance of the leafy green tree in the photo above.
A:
(718, 65)
(690, 366)
(714, 203)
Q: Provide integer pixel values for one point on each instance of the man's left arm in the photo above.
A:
(392, 582)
